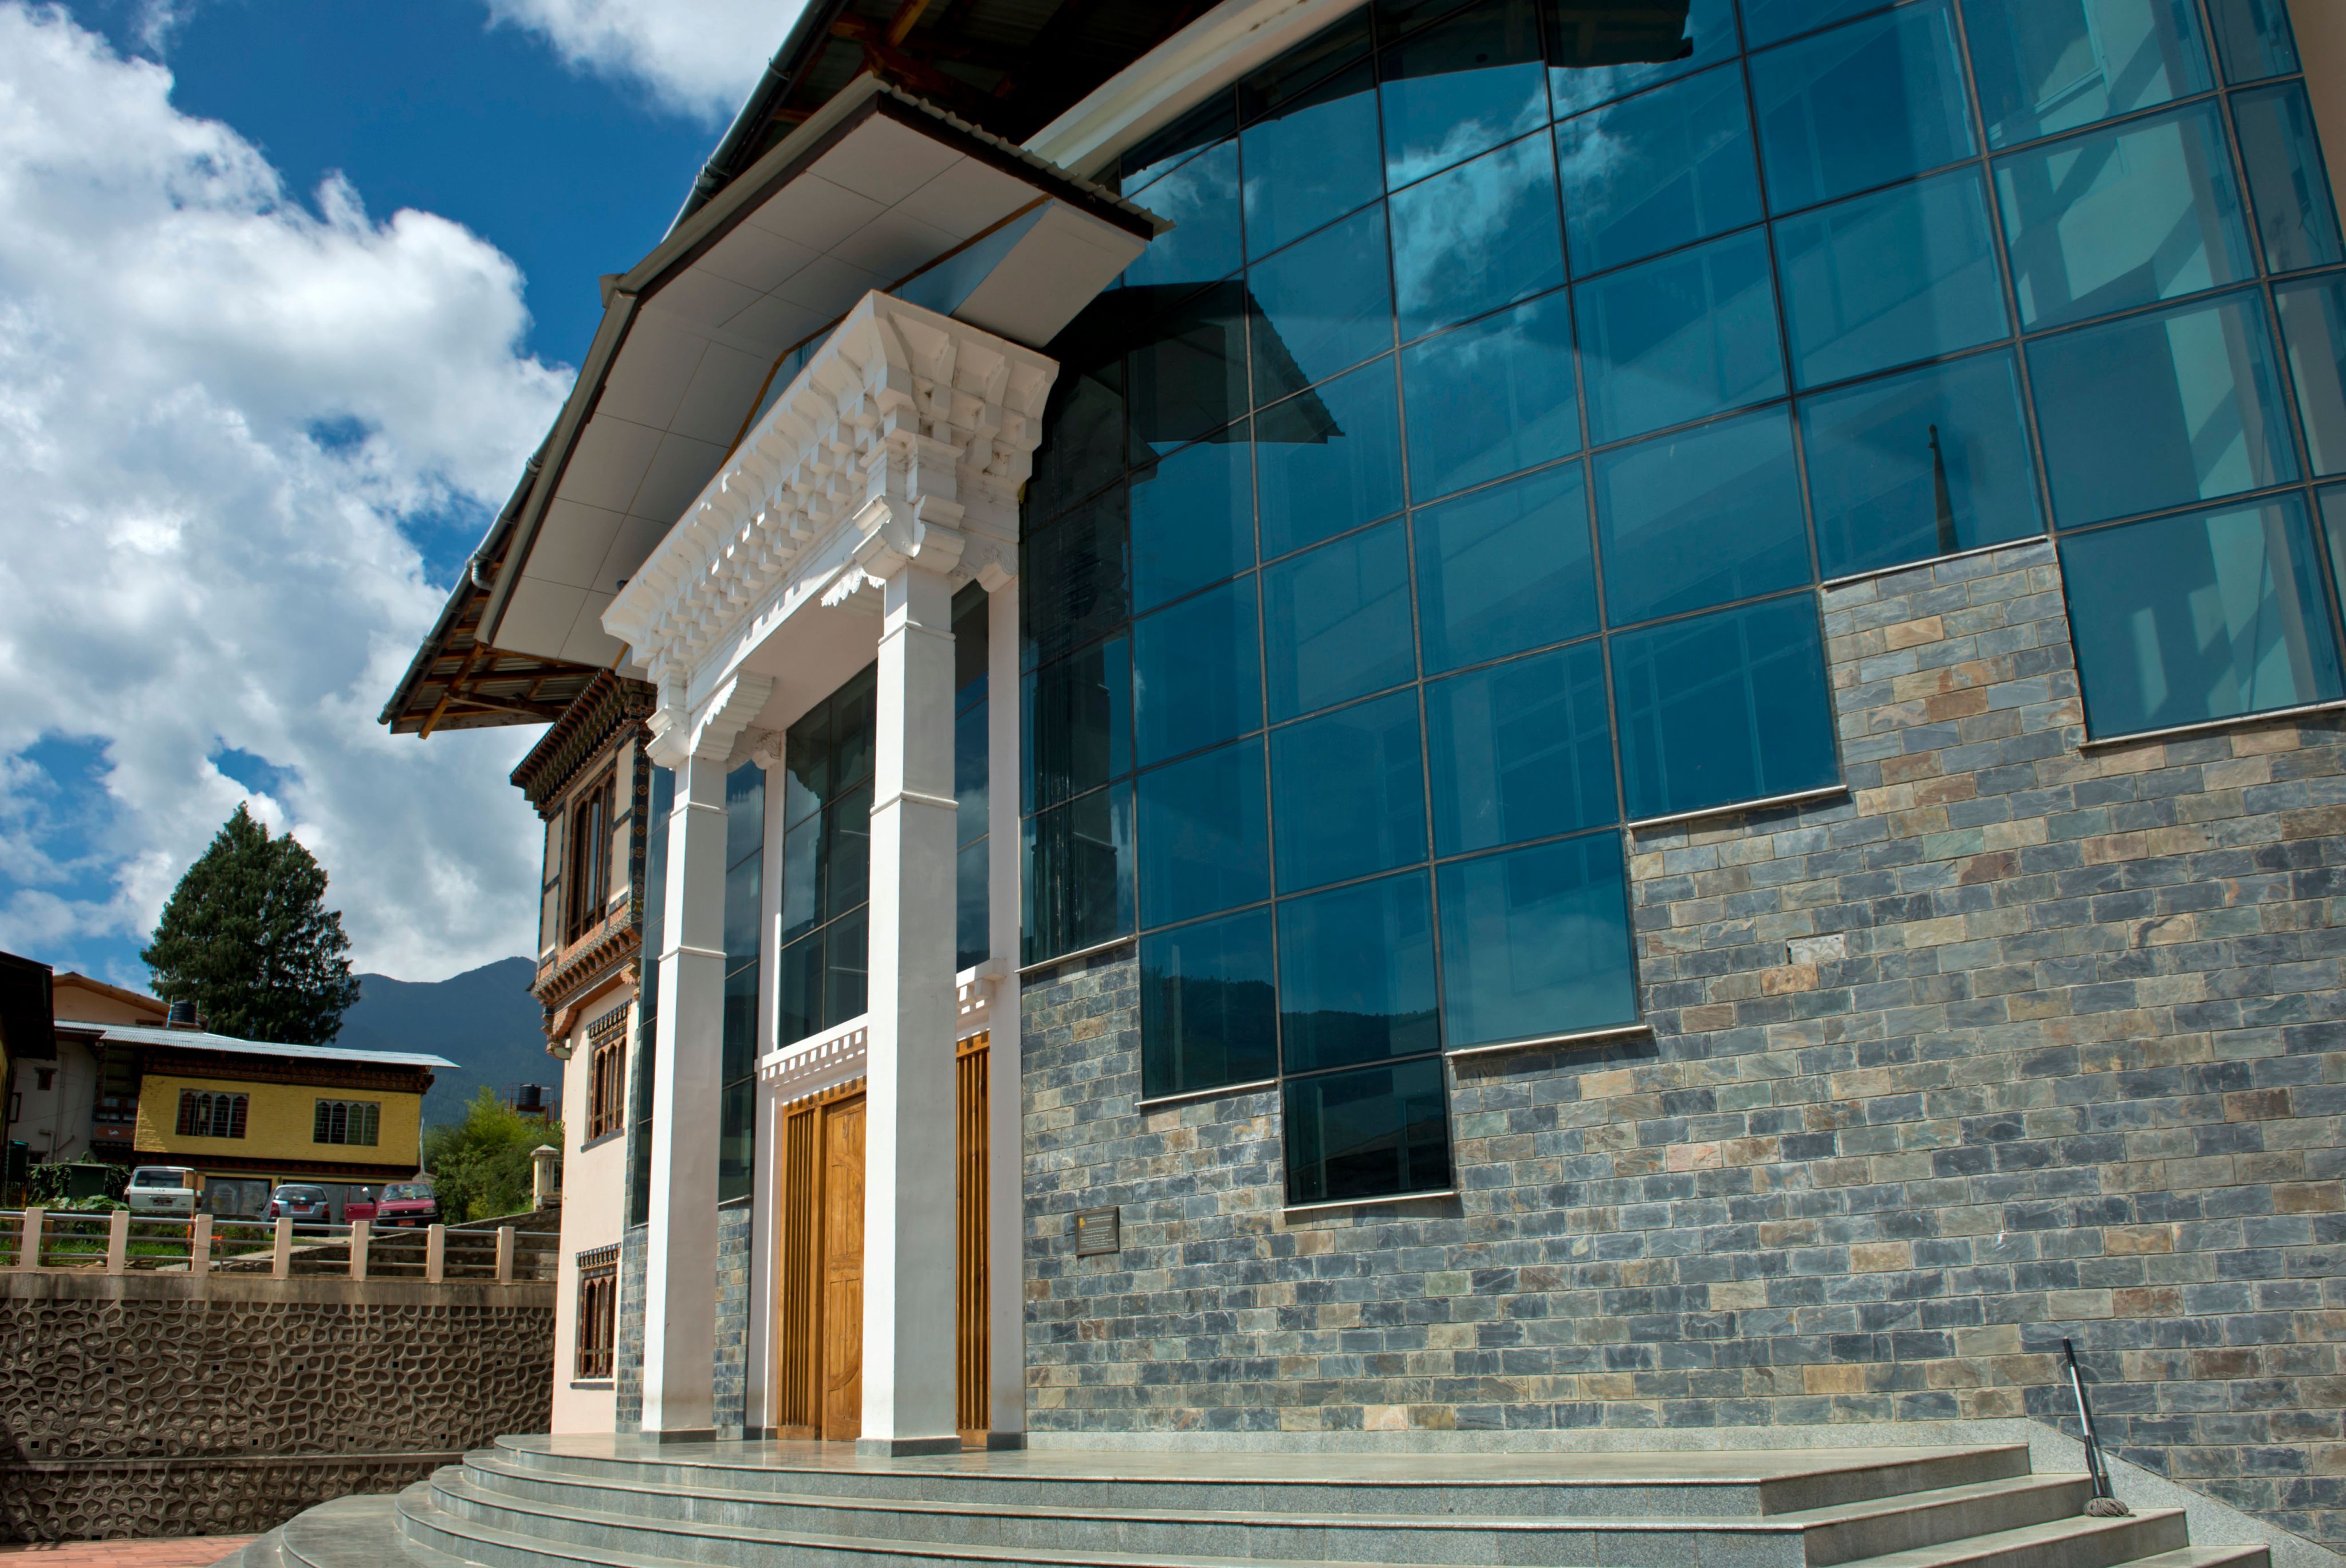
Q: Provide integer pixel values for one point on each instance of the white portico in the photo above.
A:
(883, 478)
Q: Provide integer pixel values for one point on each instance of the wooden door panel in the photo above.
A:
(843, 1271)
(971, 1329)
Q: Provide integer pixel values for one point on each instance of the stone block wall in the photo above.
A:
(165, 1405)
(628, 1337)
(2019, 1041)
(730, 1379)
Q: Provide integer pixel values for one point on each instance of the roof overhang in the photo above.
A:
(878, 190)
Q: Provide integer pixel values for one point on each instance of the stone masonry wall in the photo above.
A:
(162, 1405)
(2069, 1061)
(730, 1374)
(627, 1334)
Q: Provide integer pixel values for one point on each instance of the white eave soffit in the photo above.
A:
(877, 192)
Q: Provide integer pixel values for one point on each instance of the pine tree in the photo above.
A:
(248, 938)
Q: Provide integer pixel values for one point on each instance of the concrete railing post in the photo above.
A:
(435, 1255)
(200, 1246)
(28, 1246)
(117, 1242)
(281, 1266)
(505, 1254)
(360, 1231)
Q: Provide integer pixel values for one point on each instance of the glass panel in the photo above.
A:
(1077, 733)
(847, 852)
(1075, 580)
(1356, 974)
(2181, 619)
(1303, 66)
(970, 621)
(1461, 87)
(970, 791)
(1321, 306)
(2253, 39)
(1076, 865)
(1311, 161)
(1087, 446)
(1655, 171)
(1521, 750)
(1188, 367)
(806, 760)
(1724, 707)
(844, 982)
(1505, 569)
(2297, 217)
(1490, 398)
(1699, 518)
(1192, 518)
(1605, 51)
(1536, 943)
(1196, 672)
(1881, 280)
(1773, 21)
(2334, 531)
(2146, 211)
(1921, 464)
(1328, 459)
(1336, 622)
(1168, 149)
(2314, 325)
(1673, 340)
(1209, 1014)
(2047, 65)
(971, 943)
(799, 977)
(1204, 843)
(737, 1047)
(1380, 1133)
(736, 1139)
(1860, 105)
(741, 913)
(802, 879)
(745, 811)
(1348, 793)
(1201, 198)
(2160, 410)
(1480, 236)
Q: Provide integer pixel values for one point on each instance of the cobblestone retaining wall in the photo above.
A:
(2068, 1062)
(157, 1405)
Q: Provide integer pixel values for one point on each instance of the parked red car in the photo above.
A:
(359, 1205)
(408, 1203)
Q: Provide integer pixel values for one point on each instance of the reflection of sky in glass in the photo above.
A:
(1480, 236)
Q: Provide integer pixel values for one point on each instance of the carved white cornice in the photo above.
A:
(819, 1061)
(906, 437)
(710, 732)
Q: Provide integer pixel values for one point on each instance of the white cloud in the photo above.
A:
(702, 59)
(185, 564)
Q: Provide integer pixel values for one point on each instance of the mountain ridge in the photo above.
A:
(485, 1018)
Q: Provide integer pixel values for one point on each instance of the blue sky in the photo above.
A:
(276, 332)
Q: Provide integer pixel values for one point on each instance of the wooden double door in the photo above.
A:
(818, 1328)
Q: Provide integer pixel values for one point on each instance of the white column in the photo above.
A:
(908, 1202)
(680, 1264)
(1005, 1119)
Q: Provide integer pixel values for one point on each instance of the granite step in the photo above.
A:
(458, 1517)
(1811, 1539)
(1702, 1485)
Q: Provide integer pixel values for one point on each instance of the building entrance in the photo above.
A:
(819, 1325)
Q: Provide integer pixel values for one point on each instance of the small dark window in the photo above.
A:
(347, 1122)
(598, 1315)
(607, 1047)
(204, 1115)
(589, 871)
(47, 1076)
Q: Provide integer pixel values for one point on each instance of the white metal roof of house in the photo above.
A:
(201, 1039)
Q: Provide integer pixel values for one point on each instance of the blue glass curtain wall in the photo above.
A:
(1439, 378)
(655, 938)
(745, 869)
(827, 760)
(971, 776)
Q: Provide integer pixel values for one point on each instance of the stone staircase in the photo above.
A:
(540, 1503)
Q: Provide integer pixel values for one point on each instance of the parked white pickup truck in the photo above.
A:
(163, 1191)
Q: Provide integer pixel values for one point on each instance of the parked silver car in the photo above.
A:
(162, 1192)
(303, 1205)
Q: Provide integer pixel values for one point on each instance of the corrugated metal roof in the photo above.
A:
(203, 1040)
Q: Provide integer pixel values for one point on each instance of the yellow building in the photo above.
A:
(247, 1114)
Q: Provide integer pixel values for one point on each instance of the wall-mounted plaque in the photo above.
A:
(1095, 1232)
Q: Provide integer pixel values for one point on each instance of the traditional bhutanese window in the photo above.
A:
(346, 1122)
(606, 1095)
(204, 1115)
(590, 861)
(598, 1312)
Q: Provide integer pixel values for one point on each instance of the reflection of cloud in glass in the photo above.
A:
(1444, 249)
(1471, 132)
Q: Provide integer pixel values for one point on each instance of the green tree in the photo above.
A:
(480, 1166)
(248, 938)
